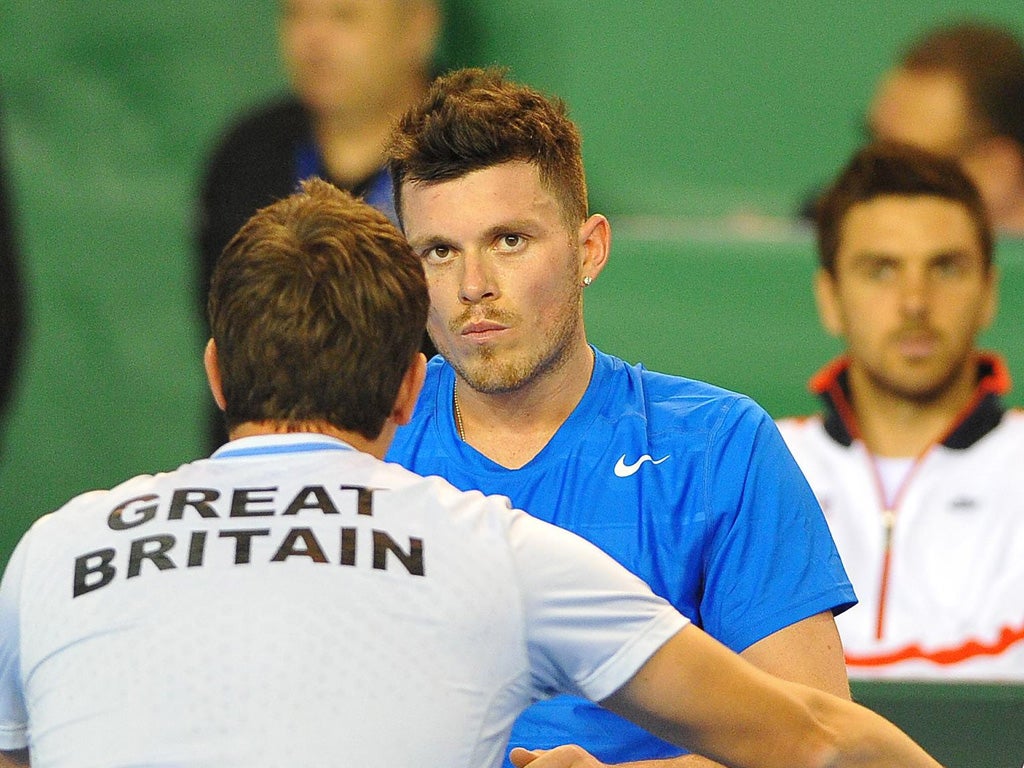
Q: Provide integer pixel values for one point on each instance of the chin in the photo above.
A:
(921, 392)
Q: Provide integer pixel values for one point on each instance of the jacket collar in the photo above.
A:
(981, 416)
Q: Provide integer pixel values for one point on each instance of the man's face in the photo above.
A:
(346, 56)
(910, 294)
(504, 274)
(927, 109)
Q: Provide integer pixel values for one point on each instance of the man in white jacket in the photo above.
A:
(915, 461)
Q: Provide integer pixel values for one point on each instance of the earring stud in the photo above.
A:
(587, 280)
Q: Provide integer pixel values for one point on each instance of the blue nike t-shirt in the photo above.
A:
(688, 485)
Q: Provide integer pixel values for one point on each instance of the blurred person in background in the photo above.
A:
(915, 460)
(353, 66)
(959, 91)
(11, 297)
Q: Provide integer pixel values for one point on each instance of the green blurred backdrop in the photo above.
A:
(698, 119)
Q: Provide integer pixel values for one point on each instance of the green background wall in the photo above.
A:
(698, 118)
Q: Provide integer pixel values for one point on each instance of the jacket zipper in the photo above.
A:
(888, 523)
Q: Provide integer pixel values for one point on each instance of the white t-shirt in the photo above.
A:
(291, 601)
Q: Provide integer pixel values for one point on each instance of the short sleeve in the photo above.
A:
(13, 712)
(590, 624)
(772, 561)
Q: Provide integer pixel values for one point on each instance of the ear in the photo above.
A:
(595, 237)
(827, 299)
(996, 166)
(425, 30)
(991, 305)
(409, 391)
(212, 365)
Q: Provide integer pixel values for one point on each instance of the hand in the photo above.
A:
(567, 756)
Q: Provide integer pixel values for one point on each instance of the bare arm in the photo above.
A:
(696, 693)
(808, 652)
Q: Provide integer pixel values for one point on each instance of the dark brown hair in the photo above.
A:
(473, 119)
(990, 61)
(317, 306)
(890, 168)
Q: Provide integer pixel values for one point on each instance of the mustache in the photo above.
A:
(476, 315)
(915, 329)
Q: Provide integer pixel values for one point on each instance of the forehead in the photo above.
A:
(483, 198)
(917, 226)
(342, 9)
(928, 109)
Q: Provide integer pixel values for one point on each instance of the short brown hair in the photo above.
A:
(990, 62)
(473, 119)
(317, 306)
(890, 168)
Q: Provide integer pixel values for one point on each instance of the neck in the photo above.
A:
(377, 447)
(510, 428)
(352, 143)
(902, 427)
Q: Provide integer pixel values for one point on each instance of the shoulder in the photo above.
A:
(486, 517)
(1003, 445)
(666, 389)
(1012, 421)
(676, 402)
(55, 531)
(267, 123)
(796, 427)
(262, 135)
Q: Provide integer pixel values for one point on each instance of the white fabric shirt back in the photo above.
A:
(291, 601)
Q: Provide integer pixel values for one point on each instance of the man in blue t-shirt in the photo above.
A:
(688, 485)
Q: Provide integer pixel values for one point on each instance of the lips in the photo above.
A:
(918, 344)
(482, 331)
(482, 326)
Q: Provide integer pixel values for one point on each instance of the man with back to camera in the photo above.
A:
(685, 484)
(915, 460)
(294, 600)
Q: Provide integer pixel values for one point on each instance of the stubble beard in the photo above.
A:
(494, 371)
(922, 393)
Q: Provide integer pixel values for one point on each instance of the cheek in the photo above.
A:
(864, 318)
(547, 301)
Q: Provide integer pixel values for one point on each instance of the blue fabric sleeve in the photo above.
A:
(771, 558)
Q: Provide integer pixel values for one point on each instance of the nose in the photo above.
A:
(477, 281)
(914, 294)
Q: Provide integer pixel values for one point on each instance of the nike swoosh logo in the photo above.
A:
(622, 469)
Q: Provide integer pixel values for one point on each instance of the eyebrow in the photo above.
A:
(950, 253)
(510, 226)
(945, 254)
(428, 241)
